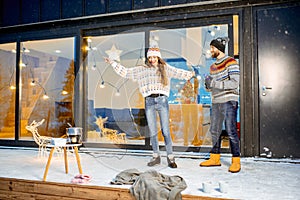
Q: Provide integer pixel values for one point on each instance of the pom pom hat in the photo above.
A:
(153, 51)
(219, 43)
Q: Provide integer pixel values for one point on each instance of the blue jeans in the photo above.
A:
(158, 104)
(224, 112)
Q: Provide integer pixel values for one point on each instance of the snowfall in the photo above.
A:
(259, 178)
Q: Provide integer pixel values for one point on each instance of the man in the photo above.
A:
(223, 83)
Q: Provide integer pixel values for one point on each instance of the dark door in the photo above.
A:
(278, 44)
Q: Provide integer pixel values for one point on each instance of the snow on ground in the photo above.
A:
(260, 178)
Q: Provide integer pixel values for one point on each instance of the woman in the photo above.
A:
(154, 84)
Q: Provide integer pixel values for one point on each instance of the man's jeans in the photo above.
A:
(224, 112)
(158, 104)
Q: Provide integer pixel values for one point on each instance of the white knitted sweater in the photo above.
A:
(148, 80)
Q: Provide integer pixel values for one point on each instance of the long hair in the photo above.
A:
(161, 71)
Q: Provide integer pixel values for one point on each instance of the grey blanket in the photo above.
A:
(151, 185)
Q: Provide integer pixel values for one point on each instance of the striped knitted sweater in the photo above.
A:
(225, 75)
(147, 78)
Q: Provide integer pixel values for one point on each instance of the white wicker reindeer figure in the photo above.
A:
(41, 141)
(110, 134)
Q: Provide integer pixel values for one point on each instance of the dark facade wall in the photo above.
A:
(17, 12)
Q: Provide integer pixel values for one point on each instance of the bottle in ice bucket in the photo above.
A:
(74, 134)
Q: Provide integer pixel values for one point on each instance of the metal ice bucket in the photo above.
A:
(74, 134)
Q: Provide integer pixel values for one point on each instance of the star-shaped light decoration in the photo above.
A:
(114, 53)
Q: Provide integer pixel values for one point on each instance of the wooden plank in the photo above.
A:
(63, 190)
(20, 189)
(30, 196)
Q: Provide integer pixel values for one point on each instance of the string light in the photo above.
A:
(22, 64)
(25, 50)
(89, 47)
(64, 92)
(117, 94)
(32, 83)
(45, 96)
(12, 87)
(102, 85)
(213, 32)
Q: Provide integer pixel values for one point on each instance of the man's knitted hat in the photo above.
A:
(219, 43)
(153, 51)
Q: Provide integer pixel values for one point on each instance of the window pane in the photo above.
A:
(188, 48)
(47, 76)
(7, 90)
(112, 96)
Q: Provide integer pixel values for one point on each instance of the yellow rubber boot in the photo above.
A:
(213, 161)
(235, 165)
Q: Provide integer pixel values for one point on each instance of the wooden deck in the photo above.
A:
(11, 188)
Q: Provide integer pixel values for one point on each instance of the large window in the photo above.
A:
(47, 83)
(115, 108)
(114, 102)
(117, 103)
(7, 90)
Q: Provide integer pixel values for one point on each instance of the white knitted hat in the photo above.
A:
(153, 51)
